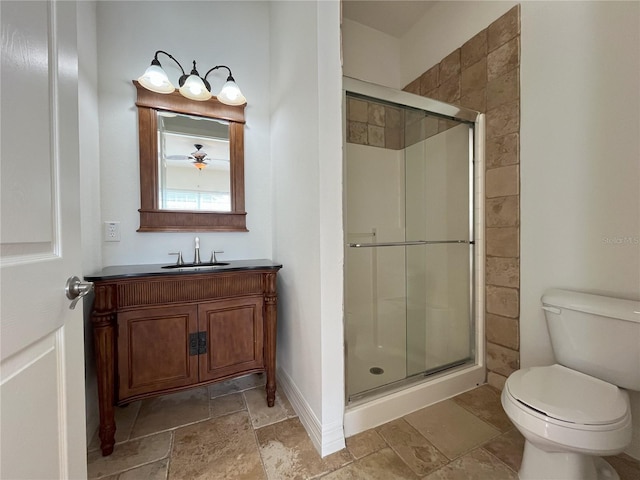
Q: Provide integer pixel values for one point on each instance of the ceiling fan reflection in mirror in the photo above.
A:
(198, 157)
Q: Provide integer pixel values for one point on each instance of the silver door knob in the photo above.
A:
(75, 290)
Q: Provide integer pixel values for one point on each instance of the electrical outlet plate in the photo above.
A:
(111, 231)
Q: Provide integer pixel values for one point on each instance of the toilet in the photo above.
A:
(577, 410)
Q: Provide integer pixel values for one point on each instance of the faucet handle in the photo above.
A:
(213, 256)
(180, 260)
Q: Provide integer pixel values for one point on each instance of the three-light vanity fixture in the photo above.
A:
(192, 86)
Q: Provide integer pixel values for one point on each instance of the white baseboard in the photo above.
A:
(327, 439)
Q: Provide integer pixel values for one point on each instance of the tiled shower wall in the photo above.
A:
(484, 75)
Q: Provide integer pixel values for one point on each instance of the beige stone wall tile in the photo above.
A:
(503, 301)
(449, 91)
(496, 380)
(504, 119)
(475, 100)
(503, 59)
(431, 126)
(474, 77)
(432, 94)
(358, 110)
(413, 87)
(502, 151)
(473, 50)
(504, 29)
(413, 133)
(392, 117)
(503, 331)
(502, 211)
(376, 114)
(503, 241)
(502, 181)
(502, 360)
(393, 138)
(503, 89)
(429, 80)
(449, 66)
(503, 271)
(357, 133)
(375, 135)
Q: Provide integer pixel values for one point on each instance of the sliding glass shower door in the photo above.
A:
(409, 244)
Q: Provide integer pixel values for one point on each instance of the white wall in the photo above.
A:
(370, 55)
(231, 33)
(580, 168)
(306, 139)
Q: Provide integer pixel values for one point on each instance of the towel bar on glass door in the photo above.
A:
(404, 244)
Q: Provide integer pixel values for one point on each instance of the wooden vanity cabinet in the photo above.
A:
(156, 334)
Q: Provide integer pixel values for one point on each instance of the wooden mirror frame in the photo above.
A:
(154, 219)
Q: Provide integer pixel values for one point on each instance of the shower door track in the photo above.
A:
(404, 244)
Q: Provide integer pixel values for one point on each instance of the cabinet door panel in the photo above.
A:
(234, 336)
(153, 349)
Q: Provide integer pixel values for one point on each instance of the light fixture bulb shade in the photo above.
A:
(156, 80)
(195, 89)
(231, 94)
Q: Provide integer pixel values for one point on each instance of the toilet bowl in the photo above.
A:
(575, 411)
(568, 420)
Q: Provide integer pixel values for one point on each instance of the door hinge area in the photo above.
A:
(197, 343)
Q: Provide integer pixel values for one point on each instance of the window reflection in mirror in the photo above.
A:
(193, 163)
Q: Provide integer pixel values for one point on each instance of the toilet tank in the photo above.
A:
(596, 335)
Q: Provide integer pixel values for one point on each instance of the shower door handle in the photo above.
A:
(409, 243)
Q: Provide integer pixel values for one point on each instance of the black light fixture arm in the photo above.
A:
(184, 76)
(230, 77)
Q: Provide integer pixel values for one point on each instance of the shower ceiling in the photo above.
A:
(393, 17)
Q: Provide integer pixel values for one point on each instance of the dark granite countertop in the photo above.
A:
(145, 270)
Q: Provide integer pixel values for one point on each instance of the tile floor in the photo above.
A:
(227, 432)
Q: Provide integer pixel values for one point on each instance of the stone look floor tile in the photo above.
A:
(171, 411)
(508, 447)
(476, 465)
(484, 402)
(221, 448)
(365, 443)
(129, 455)
(381, 465)
(261, 414)
(125, 418)
(153, 471)
(450, 428)
(234, 402)
(626, 466)
(287, 452)
(237, 384)
(414, 449)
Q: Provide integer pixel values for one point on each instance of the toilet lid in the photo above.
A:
(564, 394)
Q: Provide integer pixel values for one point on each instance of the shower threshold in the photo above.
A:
(374, 393)
(377, 407)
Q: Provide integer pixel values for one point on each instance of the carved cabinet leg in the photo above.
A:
(103, 321)
(270, 320)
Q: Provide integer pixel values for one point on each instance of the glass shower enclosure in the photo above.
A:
(409, 246)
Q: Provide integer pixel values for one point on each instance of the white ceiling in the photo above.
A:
(393, 17)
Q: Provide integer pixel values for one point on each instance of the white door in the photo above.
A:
(42, 407)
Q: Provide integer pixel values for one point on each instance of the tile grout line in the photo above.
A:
(255, 438)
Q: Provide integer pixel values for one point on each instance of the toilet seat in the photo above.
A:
(568, 396)
(553, 434)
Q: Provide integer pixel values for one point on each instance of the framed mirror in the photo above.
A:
(191, 164)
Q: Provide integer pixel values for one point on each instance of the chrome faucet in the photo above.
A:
(196, 255)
